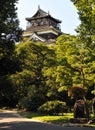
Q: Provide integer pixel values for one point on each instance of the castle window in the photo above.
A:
(35, 24)
(58, 26)
(42, 23)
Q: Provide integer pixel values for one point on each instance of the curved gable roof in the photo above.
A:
(41, 14)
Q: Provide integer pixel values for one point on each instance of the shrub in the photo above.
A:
(24, 103)
(30, 103)
(53, 107)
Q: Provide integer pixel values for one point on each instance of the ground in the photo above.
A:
(11, 120)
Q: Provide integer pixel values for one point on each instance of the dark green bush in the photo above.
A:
(24, 103)
(53, 107)
(30, 104)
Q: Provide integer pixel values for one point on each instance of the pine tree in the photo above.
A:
(86, 35)
(10, 33)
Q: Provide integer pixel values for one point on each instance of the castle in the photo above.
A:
(42, 27)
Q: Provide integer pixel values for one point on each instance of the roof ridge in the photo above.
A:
(41, 13)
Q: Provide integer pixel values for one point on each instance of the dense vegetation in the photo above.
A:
(35, 76)
(9, 34)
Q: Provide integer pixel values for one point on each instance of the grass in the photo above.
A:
(59, 119)
(55, 119)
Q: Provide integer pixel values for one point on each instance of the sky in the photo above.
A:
(63, 10)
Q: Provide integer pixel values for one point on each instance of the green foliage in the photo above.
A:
(9, 34)
(21, 81)
(42, 73)
(9, 24)
(86, 38)
(86, 11)
(31, 81)
(53, 107)
(7, 94)
(77, 61)
(34, 58)
(65, 71)
(34, 98)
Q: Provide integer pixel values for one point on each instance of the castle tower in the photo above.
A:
(42, 27)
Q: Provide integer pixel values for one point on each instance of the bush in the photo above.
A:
(24, 103)
(31, 103)
(53, 107)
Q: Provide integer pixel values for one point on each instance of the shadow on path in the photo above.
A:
(37, 126)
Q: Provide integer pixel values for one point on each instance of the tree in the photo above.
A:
(59, 76)
(86, 35)
(10, 33)
(65, 45)
(86, 11)
(9, 27)
(74, 64)
(31, 81)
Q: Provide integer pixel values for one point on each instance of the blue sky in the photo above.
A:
(63, 10)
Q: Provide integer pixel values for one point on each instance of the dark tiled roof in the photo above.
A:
(41, 14)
